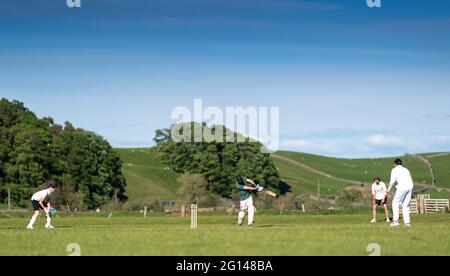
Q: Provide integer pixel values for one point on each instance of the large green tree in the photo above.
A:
(219, 161)
(36, 151)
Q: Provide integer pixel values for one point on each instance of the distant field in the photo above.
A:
(362, 170)
(217, 235)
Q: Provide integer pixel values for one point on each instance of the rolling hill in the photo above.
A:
(441, 168)
(149, 179)
(357, 171)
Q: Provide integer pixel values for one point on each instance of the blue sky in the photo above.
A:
(350, 81)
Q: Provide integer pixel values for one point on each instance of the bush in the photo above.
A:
(152, 205)
(208, 200)
(351, 197)
(67, 198)
(265, 202)
(287, 201)
(193, 188)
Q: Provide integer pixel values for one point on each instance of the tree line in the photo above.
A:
(36, 151)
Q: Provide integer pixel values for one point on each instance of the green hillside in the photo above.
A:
(302, 181)
(360, 170)
(147, 178)
(441, 168)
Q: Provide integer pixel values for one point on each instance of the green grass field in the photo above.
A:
(274, 235)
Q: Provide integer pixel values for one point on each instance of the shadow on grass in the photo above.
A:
(266, 226)
(35, 228)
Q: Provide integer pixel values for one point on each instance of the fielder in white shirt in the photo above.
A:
(40, 201)
(405, 185)
(379, 198)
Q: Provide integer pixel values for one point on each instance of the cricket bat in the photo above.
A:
(269, 193)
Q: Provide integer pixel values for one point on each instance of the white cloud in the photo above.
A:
(382, 140)
(440, 140)
(376, 145)
(312, 146)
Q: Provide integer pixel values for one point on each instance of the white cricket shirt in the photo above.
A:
(402, 177)
(41, 195)
(379, 191)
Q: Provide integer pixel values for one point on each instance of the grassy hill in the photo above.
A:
(441, 168)
(360, 170)
(148, 178)
(303, 181)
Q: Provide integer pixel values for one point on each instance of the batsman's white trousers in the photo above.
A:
(248, 205)
(402, 198)
(245, 204)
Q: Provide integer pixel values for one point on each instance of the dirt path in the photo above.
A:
(428, 163)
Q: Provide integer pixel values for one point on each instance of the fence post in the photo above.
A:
(9, 199)
(422, 203)
(318, 190)
(183, 211)
(145, 211)
(194, 211)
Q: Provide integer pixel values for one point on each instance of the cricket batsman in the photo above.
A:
(379, 198)
(40, 201)
(405, 185)
(245, 192)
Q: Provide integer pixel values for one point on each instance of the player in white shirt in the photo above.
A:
(40, 201)
(379, 198)
(405, 185)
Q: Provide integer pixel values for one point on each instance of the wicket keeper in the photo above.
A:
(379, 198)
(246, 198)
(40, 201)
